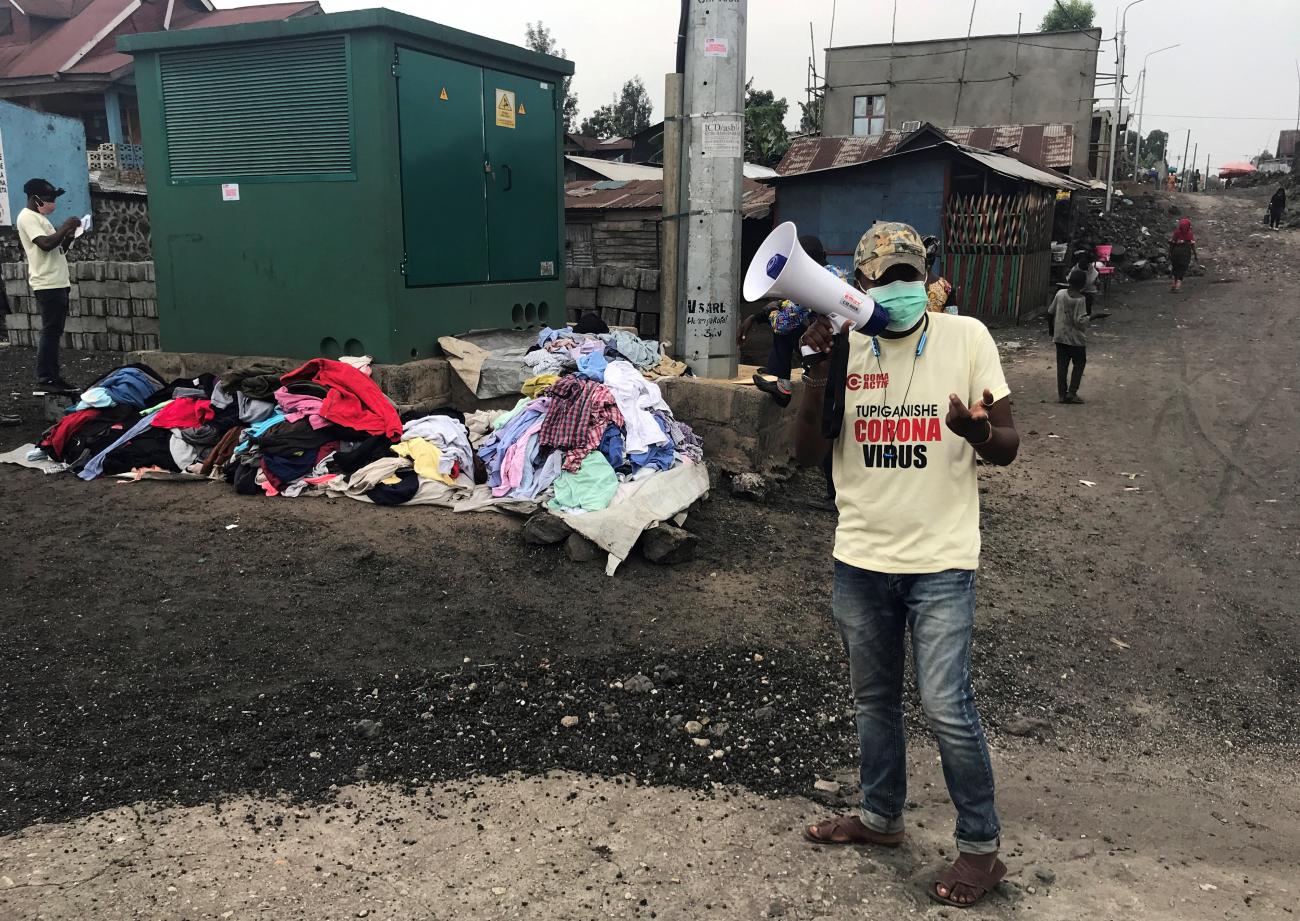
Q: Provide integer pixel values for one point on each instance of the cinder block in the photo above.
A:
(144, 325)
(95, 306)
(150, 308)
(631, 278)
(572, 276)
(144, 290)
(647, 325)
(580, 298)
(87, 325)
(17, 321)
(649, 280)
(149, 271)
(119, 324)
(590, 276)
(648, 302)
(611, 275)
(617, 298)
(17, 287)
(627, 318)
(105, 342)
(146, 342)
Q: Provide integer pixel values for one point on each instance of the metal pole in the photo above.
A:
(1205, 186)
(1119, 89)
(670, 251)
(1142, 105)
(709, 210)
(1195, 155)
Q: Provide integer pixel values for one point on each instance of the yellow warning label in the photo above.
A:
(521, 109)
(443, 94)
(505, 109)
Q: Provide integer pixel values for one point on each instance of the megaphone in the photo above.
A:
(781, 268)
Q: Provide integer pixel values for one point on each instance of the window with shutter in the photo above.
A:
(259, 112)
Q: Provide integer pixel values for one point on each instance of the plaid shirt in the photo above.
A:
(580, 412)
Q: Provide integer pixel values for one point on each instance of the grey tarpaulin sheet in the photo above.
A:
(19, 456)
(490, 363)
(638, 505)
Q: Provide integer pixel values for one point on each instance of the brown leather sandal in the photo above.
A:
(849, 829)
(964, 872)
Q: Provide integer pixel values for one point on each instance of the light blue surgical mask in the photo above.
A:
(904, 301)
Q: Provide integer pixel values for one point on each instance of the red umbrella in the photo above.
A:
(1228, 170)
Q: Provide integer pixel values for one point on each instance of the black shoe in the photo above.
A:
(59, 385)
(778, 389)
(823, 505)
(1073, 398)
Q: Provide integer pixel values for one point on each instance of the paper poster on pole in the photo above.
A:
(715, 48)
(505, 108)
(230, 191)
(723, 137)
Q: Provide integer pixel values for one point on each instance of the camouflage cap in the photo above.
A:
(887, 244)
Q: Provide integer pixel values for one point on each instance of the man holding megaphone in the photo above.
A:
(906, 399)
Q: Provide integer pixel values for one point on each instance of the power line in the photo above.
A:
(1247, 118)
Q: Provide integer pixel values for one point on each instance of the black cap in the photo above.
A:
(43, 189)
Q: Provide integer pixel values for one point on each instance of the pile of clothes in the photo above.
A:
(327, 429)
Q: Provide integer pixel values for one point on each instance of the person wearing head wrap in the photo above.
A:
(1182, 250)
(938, 289)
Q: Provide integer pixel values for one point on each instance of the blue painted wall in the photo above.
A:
(52, 147)
(840, 205)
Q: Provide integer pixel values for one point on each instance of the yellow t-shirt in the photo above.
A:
(44, 270)
(905, 485)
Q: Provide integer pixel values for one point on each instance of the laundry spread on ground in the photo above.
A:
(585, 436)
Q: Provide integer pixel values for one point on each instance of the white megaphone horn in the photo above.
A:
(781, 268)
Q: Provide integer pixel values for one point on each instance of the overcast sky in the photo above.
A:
(1232, 82)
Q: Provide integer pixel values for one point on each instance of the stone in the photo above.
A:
(1084, 848)
(367, 729)
(749, 486)
(702, 743)
(693, 727)
(568, 722)
(827, 786)
(638, 684)
(545, 529)
(1045, 875)
(1027, 726)
(668, 545)
(580, 549)
(763, 714)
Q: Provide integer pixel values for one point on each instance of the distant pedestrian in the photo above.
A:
(939, 291)
(1067, 319)
(1085, 262)
(47, 273)
(1171, 182)
(1182, 250)
(1276, 207)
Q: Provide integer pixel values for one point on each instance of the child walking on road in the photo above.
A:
(1068, 319)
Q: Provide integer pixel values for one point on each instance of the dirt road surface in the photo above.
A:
(333, 711)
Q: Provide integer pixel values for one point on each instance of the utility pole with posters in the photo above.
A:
(709, 210)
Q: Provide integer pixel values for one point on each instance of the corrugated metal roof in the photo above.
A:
(1010, 166)
(586, 142)
(612, 169)
(1051, 146)
(648, 194)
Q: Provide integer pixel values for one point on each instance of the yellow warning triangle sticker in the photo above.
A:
(443, 94)
(504, 105)
(521, 109)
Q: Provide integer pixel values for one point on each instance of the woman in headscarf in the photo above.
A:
(1182, 250)
(937, 288)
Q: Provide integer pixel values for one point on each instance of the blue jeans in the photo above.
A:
(874, 611)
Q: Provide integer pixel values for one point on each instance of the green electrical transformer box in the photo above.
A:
(347, 184)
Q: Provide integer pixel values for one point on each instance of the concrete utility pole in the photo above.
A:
(1114, 122)
(1195, 152)
(669, 269)
(709, 211)
(1142, 105)
(1182, 164)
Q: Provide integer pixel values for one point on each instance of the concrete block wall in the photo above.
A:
(623, 295)
(113, 306)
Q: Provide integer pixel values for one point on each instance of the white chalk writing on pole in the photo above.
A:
(6, 218)
(723, 137)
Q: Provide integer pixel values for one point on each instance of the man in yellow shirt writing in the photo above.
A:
(47, 273)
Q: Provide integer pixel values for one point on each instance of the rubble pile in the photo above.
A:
(1137, 229)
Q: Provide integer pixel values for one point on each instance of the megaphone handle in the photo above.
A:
(838, 323)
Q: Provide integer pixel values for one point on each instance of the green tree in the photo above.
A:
(1153, 148)
(1068, 14)
(810, 118)
(627, 114)
(766, 139)
(539, 39)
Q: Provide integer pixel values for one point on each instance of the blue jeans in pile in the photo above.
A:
(874, 610)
